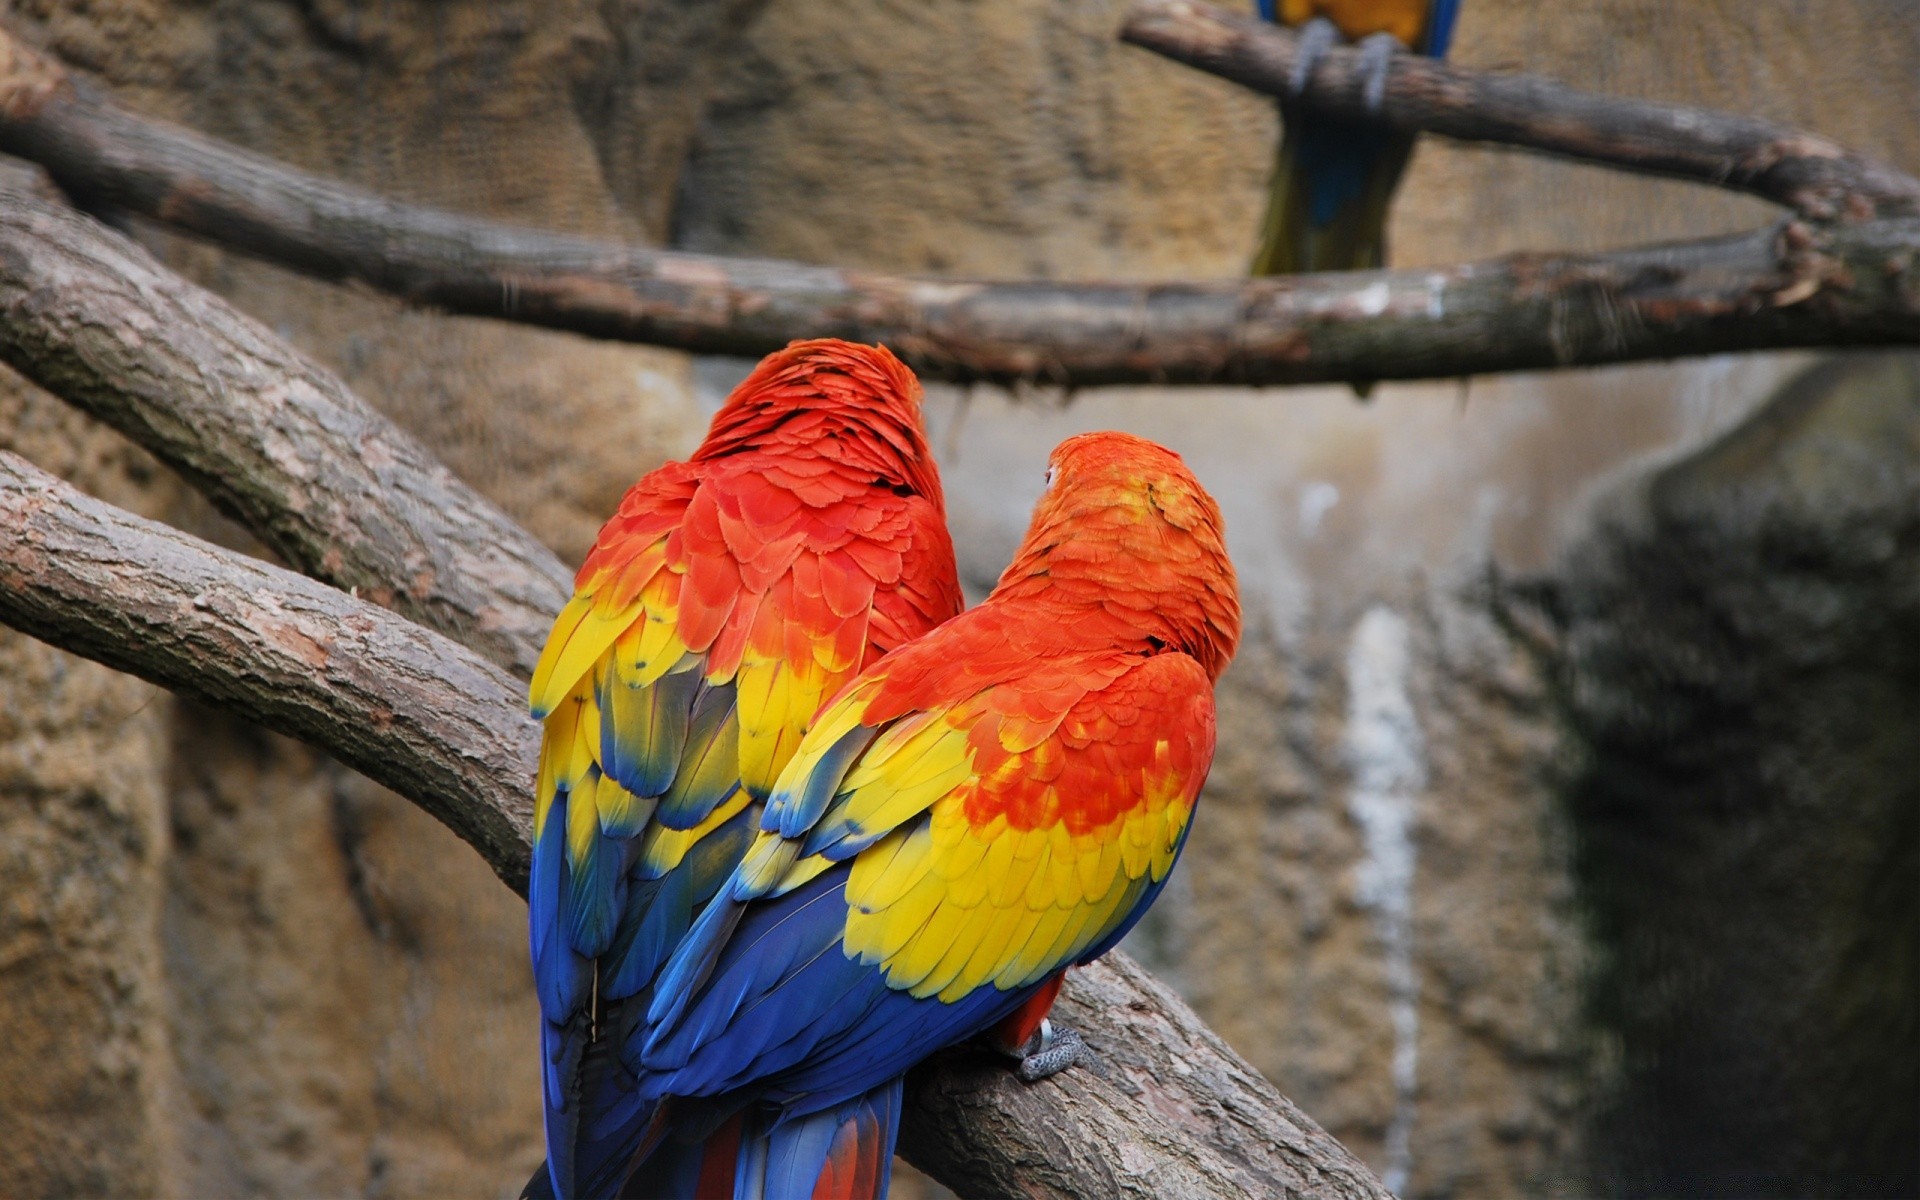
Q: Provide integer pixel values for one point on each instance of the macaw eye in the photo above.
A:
(1050, 470)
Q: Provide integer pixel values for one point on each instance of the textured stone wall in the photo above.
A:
(242, 971)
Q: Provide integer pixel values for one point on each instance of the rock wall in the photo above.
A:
(267, 977)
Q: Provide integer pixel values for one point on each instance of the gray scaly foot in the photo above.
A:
(1050, 1051)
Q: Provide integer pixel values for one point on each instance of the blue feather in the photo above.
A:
(791, 814)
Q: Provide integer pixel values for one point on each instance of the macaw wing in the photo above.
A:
(676, 684)
(955, 859)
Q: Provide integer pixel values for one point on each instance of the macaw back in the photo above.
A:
(728, 597)
(1334, 177)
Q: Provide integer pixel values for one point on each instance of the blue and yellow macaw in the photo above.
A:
(1334, 177)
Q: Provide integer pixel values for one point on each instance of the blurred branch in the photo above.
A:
(274, 440)
(1165, 1109)
(1818, 178)
(1826, 287)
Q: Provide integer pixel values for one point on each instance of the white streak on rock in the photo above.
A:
(1387, 753)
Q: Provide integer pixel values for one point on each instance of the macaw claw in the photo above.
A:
(1049, 1051)
(1376, 59)
(1316, 38)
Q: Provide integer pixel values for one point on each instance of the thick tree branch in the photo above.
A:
(1165, 1109)
(1844, 287)
(275, 440)
(406, 707)
(1803, 171)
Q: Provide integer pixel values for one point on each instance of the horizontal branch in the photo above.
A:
(402, 705)
(1165, 1108)
(1803, 171)
(274, 440)
(1844, 287)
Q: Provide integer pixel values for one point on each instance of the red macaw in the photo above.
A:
(1327, 210)
(729, 596)
(980, 809)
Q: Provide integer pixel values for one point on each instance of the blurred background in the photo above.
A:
(1565, 833)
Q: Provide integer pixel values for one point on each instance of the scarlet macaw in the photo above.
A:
(1334, 177)
(980, 809)
(728, 597)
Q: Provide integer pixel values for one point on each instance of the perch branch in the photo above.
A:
(1815, 177)
(1165, 1109)
(405, 706)
(276, 441)
(1523, 313)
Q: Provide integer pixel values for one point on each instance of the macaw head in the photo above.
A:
(1124, 522)
(831, 402)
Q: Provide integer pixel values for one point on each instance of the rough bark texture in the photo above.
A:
(404, 706)
(449, 731)
(1162, 1107)
(274, 440)
(1803, 171)
(1515, 315)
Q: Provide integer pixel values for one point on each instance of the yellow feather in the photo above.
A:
(1024, 854)
(583, 818)
(878, 936)
(619, 807)
(1040, 892)
(886, 871)
(766, 862)
(762, 702)
(664, 848)
(991, 951)
(656, 646)
(944, 980)
(1136, 853)
(556, 748)
(922, 952)
(1032, 958)
(963, 858)
(1099, 859)
(581, 634)
(800, 872)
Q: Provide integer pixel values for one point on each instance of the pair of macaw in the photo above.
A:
(801, 822)
(1327, 210)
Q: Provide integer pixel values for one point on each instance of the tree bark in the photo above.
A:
(405, 706)
(274, 440)
(1530, 312)
(1803, 171)
(1165, 1110)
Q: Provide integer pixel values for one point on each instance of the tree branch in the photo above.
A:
(1844, 287)
(1164, 1110)
(275, 441)
(404, 706)
(1803, 171)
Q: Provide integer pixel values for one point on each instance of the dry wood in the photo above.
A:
(1803, 171)
(1523, 313)
(1165, 1109)
(275, 440)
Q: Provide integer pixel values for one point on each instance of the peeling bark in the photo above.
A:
(1529, 312)
(1816, 177)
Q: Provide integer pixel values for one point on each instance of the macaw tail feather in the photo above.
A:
(1327, 206)
(840, 1153)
